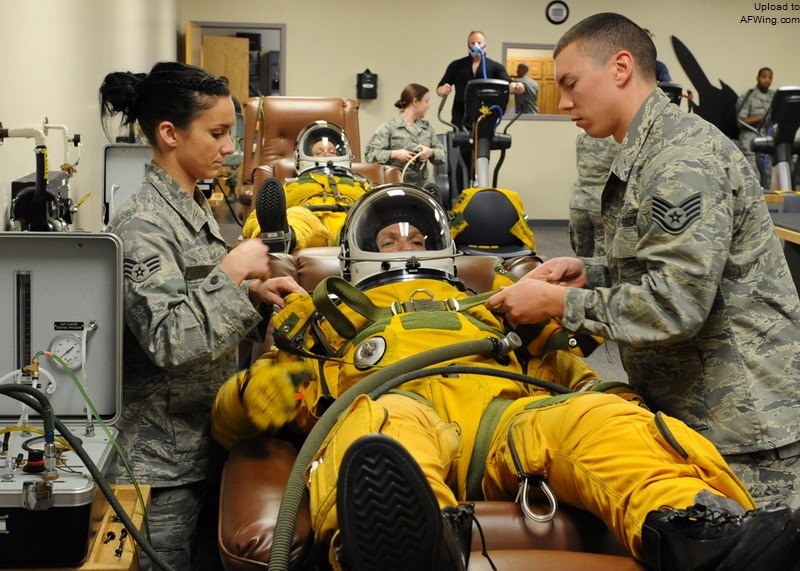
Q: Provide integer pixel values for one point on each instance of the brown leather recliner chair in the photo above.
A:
(271, 127)
(257, 470)
(284, 169)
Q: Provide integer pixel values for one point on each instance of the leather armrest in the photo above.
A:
(253, 481)
(521, 265)
(506, 527)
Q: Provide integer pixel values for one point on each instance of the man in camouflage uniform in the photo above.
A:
(594, 158)
(751, 109)
(184, 318)
(695, 289)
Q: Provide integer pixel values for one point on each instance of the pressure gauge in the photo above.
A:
(68, 348)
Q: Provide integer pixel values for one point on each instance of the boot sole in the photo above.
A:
(388, 515)
(271, 215)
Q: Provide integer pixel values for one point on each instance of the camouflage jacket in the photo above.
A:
(593, 160)
(700, 301)
(395, 134)
(184, 318)
(752, 102)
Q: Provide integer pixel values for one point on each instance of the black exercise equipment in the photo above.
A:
(784, 117)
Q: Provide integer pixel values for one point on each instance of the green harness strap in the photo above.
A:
(350, 296)
(483, 439)
(358, 301)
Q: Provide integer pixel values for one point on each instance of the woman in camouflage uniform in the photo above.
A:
(408, 136)
(188, 301)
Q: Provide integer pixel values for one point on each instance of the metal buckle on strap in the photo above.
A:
(421, 290)
(415, 302)
(397, 308)
(522, 498)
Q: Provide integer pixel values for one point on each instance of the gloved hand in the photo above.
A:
(269, 392)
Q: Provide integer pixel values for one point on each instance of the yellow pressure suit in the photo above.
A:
(316, 206)
(597, 451)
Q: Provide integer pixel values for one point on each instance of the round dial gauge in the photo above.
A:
(68, 348)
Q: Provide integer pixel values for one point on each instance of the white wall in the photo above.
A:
(56, 52)
(413, 41)
(55, 55)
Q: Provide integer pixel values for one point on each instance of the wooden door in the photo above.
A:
(228, 56)
(549, 93)
(542, 70)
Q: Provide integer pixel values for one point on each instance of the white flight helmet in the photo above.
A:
(361, 262)
(332, 136)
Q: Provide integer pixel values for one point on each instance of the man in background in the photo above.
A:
(528, 100)
(751, 111)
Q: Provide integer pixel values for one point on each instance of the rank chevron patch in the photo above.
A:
(140, 271)
(676, 218)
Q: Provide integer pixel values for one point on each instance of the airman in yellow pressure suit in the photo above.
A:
(473, 434)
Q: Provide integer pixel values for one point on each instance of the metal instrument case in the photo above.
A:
(59, 292)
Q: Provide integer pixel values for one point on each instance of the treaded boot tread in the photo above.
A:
(388, 515)
(271, 214)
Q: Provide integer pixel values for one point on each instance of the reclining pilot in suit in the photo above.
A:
(399, 466)
(310, 209)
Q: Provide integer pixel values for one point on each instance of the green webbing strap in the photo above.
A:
(449, 304)
(334, 186)
(350, 296)
(360, 303)
(474, 300)
(483, 439)
(559, 340)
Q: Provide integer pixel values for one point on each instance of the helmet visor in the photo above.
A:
(399, 219)
(324, 141)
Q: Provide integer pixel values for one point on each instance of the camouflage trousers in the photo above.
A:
(770, 475)
(183, 527)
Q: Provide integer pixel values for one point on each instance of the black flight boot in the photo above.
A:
(271, 216)
(389, 517)
(699, 537)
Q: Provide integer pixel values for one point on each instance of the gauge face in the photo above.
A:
(68, 348)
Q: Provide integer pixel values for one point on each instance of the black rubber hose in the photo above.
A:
(41, 179)
(18, 392)
(43, 406)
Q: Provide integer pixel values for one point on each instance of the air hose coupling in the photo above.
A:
(504, 346)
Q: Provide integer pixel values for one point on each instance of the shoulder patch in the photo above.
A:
(140, 271)
(675, 218)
